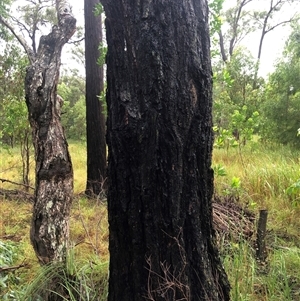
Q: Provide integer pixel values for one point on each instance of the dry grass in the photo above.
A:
(88, 221)
(264, 177)
(89, 228)
(11, 166)
(78, 157)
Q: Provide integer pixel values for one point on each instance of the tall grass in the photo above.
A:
(259, 176)
(78, 157)
(11, 166)
(277, 279)
(88, 234)
(264, 175)
(75, 281)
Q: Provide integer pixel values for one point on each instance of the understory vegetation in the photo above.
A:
(256, 176)
(256, 162)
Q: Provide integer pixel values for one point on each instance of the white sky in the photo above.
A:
(273, 43)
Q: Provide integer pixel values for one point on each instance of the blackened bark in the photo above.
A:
(162, 244)
(95, 118)
(54, 173)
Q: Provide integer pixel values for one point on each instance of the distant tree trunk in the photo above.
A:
(95, 119)
(54, 173)
(161, 241)
(275, 6)
(222, 47)
(25, 155)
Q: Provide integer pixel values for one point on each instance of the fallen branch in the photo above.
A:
(13, 268)
(16, 194)
(15, 183)
(231, 219)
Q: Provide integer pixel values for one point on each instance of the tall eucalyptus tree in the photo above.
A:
(95, 117)
(161, 241)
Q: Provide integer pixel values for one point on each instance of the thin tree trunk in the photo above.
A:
(222, 47)
(266, 28)
(95, 118)
(54, 173)
(25, 154)
(162, 244)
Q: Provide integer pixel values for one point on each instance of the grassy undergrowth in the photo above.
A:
(258, 177)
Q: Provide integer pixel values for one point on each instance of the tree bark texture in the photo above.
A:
(95, 118)
(54, 173)
(162, 244)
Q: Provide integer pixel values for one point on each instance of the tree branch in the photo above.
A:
(15, 183)
(22, 26)
(237, 17)
(76, 41)
(21, 40)
(13, 268)
(281, 23)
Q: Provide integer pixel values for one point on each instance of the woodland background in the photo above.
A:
(256, 152)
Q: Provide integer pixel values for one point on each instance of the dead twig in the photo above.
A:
(231, 219)
(15, 183)
(16, 194)
(13, 268)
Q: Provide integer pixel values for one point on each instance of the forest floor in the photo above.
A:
(245, 183)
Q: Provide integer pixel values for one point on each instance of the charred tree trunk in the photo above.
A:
(95, 118)
(162, 244)
(54, 173)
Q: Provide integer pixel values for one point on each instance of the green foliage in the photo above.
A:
(98, 9)
(74, 121)
(13, 112)
(37, 15)
(102, 54)
(4, 12)
(277, 280)
(240, 267)
(294, 192)
(12, 71)
(215, 7)
(219, 170)
(4, 7)
(233, 91)
(215, 23)
(260, 182)
(75, 281)
(234, 188)
(282, 99)
(272, 106)
(240, 129)
(224, 138)
(9, 253)
(292, 48)
(14, 121)
(72, 89)
(243, 126)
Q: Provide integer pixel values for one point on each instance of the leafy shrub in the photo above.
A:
(8, 256)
